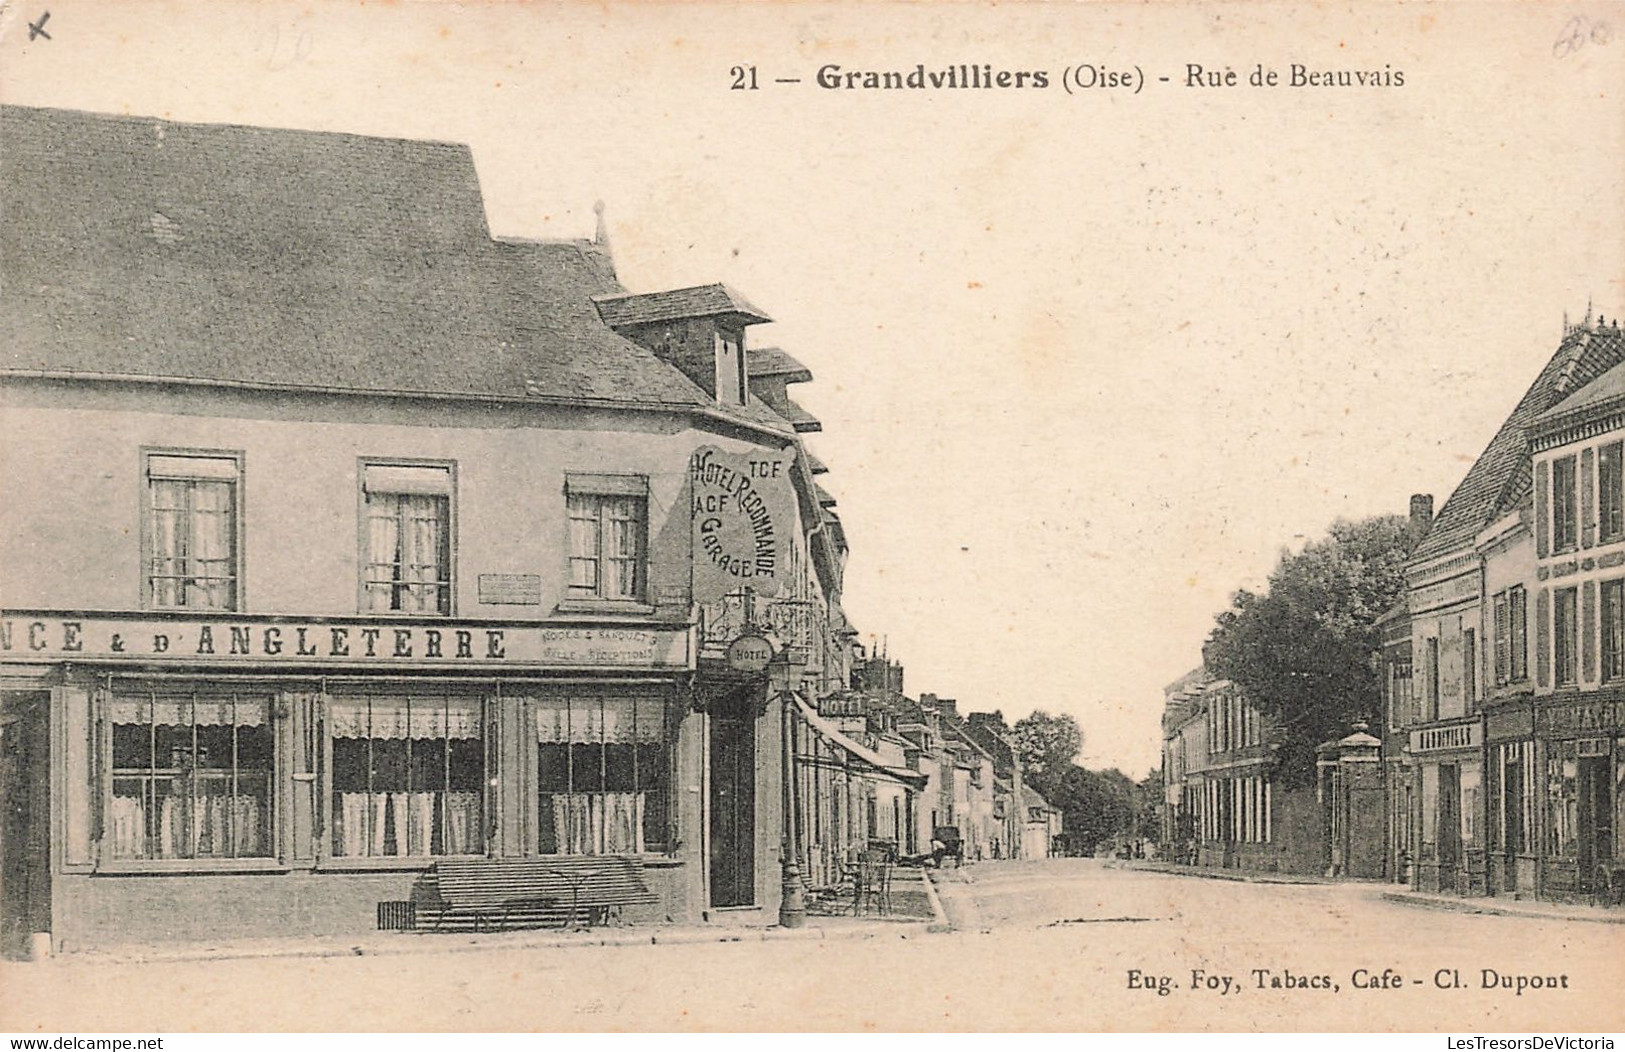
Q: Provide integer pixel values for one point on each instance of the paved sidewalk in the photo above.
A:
(1213, 873)
(1498, 907)
(389, 943)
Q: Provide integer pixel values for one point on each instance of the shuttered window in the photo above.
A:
(1611, 491)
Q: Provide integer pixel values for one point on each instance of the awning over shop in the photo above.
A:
(856, 749)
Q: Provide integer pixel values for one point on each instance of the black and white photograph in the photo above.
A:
(852, 518)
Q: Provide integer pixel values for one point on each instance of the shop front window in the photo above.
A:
(1562, 800)
(408, 776)
(191, 777)
(603, 772)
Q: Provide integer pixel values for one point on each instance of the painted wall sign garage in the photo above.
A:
(45, 637)
(744, 511)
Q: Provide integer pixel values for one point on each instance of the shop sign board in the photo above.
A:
(744, 521)
(328, 642)
(1455, 736)
(1582, 717)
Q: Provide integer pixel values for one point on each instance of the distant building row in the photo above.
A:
(1500, 761)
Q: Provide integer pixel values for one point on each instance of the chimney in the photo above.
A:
(948, 707)
(1421, 514)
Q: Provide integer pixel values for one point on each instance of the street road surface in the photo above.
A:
(1065, 944)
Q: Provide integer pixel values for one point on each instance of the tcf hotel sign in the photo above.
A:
(53, 637)
(744, 511)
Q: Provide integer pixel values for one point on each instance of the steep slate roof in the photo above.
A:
(772, 361)
(143, 248)
(1500, 477)
(1605, 388)
(798, 417)
(639, 308)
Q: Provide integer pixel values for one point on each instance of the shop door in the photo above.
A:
(733, 812)
(1449, 823)
(25, 846)
(1595, 817)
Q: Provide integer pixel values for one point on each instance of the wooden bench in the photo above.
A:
(562, 890)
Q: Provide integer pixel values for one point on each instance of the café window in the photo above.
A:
(408, 776)
(608, 528)
(191, 536)
(603, 772)
(406, 538)
(1613, 630)
(1565, 521)
(1565, 636)
(1611, 491)
(190, 776)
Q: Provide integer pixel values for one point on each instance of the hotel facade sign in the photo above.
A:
(54, 638)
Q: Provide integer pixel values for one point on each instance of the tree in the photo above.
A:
(1046, 743)
(1304, 651)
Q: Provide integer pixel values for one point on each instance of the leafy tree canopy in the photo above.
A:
(1045, 742)
(1304, 651)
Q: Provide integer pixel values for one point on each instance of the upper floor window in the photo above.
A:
(1565, 521)
(1613, 629)
(1518, 632)
(1565, 636)
(1432, 712)
(608, 527)
(191, 539)
(406, 538)
(1611, 491)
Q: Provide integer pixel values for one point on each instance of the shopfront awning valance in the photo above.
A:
(867, 756)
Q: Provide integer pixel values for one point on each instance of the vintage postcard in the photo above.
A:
(1090, 517)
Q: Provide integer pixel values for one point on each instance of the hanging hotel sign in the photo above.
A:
(749, 653)
(46, 637)
(744, 512)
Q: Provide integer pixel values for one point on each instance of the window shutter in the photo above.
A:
(1588, 631)
(1588, 503)
(1543, 637)
(1543, 509)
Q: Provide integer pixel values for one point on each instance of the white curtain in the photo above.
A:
(591, 721)
(383, 551)
(185, 712)
(598, 823)
(422, 718)
(210, 583)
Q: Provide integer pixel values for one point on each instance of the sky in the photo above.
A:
(1086, 358)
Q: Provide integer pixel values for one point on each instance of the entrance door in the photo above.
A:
(733, 812)
(1596, 811)
(25, 845)
(1449, 825)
